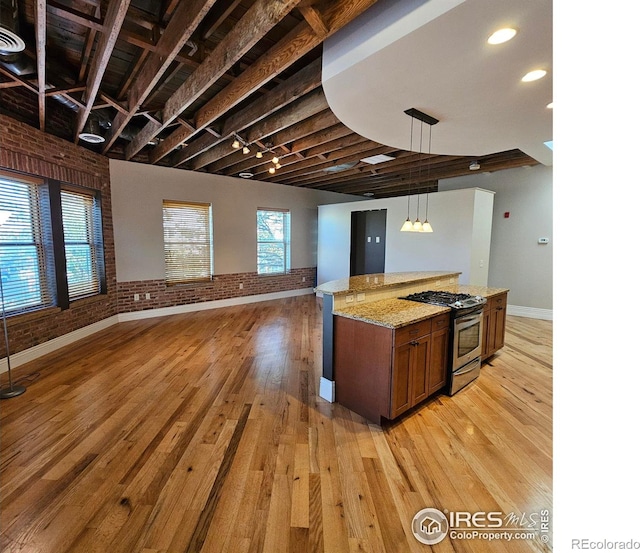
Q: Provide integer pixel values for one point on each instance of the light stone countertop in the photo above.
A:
(362, 283)
(396, 313)
(392, 313)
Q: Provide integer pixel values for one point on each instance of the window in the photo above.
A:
(82, 242)
(188, 241)
(274, 251)
(25, 259)
(51, 248)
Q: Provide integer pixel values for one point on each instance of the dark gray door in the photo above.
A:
(368, 232)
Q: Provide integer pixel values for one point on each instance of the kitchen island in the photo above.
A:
(383, 355)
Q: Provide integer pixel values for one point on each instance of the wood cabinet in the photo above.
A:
(494, 319)
(382, 372)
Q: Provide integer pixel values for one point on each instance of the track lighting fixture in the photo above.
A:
(246, 150)
(235, 144)
(259, 155)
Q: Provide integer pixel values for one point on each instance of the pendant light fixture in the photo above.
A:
(417, 226)
(408, 225)
(426, 226)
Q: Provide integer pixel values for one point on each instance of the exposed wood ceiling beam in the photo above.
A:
(185, 21)
(314, 18)
(41, 41)
(303, 128)
(296, 86)
(307, 106)
(114, 19)
(292, 47)
(255, 23)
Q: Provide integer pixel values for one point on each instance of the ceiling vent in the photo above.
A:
(374, 160)
(10, 41)
(341, 167)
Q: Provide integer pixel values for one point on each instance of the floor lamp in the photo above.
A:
(12, 390)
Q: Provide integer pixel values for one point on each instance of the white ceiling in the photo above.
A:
(433, 55)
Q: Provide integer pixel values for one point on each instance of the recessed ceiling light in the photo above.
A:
(502, 35)
(534, 75)
(474, 166)
(368, 194)
(245, 175)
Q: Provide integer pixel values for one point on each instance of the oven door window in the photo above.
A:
(468, 339)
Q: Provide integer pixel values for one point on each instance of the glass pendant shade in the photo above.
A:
(408, 225)
(235, 144)
(426, 226)
(417, 226)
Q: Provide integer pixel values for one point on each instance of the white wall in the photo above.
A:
(461, 220)
(518, 262)
(137, 191)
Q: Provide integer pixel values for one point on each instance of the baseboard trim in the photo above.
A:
(530, 312)
(50, 346)
(327, 389)
(215, 304)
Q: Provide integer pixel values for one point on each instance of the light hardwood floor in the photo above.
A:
(204, 432)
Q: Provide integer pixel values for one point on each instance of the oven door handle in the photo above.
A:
(473, 367)
(466, 322)
(474, 317)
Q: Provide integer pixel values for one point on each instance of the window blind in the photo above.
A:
(188, 241)
(26, 260)
(81, 243)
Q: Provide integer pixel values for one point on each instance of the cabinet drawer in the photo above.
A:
(440, 322)
(412, 332)
(498, 301)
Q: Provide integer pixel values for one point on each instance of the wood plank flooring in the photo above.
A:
(203, 432)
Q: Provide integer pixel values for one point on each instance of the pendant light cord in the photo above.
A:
(410, 167)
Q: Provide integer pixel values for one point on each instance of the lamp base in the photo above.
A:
(12, 392)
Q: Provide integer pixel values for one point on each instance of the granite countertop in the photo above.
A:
(396, 313)
(381, 280)
(392, 313)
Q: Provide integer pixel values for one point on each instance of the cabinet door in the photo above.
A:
(500, 317)
(438, 360)
(420, 357)
(401, 380)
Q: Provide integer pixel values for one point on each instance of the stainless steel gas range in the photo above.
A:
(466, 333)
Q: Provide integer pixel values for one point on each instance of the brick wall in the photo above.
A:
(222, 287)
(26, 149)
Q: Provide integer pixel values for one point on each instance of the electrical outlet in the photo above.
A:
(147, 296)
(360, 297)
(241, 286)
(349, 299)
(136, 297)
(304, 279)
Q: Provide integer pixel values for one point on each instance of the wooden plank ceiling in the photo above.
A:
(174, 83)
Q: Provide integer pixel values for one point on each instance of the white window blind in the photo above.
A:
(81, 243)
(25, 248)
(188, 241)
(273, 241)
